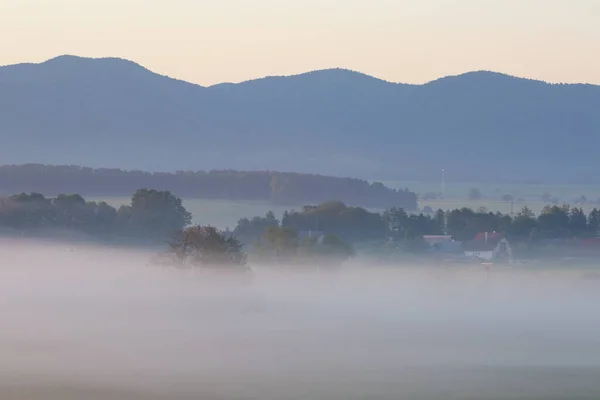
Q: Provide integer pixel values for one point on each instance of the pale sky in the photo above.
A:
(411, 41)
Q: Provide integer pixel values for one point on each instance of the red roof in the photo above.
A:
(479, 243)
(490, 236)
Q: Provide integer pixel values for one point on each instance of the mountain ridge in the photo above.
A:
(71, 57)
(114, 112)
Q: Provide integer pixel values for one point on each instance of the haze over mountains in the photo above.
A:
(479, 126)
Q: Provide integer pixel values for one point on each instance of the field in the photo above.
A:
(225, 214)
(220, 213)
(457, 195)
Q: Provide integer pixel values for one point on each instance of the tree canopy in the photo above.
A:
(351, 224)
(283, 245)
(276, 187)
(328, 229)
(207, 247)
(151, 214)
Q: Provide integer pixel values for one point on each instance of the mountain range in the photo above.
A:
(478, 126)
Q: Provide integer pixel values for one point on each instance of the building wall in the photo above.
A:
(484, 255)
(507, 249)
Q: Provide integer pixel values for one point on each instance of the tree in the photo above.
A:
(440, 220)
(250, 230)
(578, 223)
(457, 222)
(282, 246)
(331, 250)
(74, 212)
(523, 224)
(594, 222)
(418, 225)
(503, 222)
(105, 217)
(526, 212)
(351, 224)
(396, 220)
(123, 223)
(158, 213)
(554, 221)
(30, 211)
(475, 194)
(207, 247)
(333, 246)
(278, 244)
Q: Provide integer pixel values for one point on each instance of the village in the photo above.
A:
(497, 248)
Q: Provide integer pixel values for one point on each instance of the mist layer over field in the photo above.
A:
(83, 322)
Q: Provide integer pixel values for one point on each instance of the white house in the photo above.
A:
(488, 246)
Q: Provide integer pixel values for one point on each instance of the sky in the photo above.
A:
(412, 41)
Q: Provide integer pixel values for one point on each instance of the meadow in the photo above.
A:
(456, 195)
(225, 213)
(219, 213)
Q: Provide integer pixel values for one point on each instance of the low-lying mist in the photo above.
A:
(79, 322)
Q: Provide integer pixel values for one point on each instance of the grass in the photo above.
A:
(457, 193)
(225, 213)
(219, 213)
(495, 191)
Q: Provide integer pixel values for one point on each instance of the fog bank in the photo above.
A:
(82, 321)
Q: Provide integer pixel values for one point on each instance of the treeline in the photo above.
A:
(156, 214)
(276, 187)
(553, 222)
(355, 225)
(151, 214)
(206, 247)
(351, 224)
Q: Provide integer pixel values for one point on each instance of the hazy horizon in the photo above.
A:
(401, 41)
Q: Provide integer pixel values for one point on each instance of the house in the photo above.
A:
(488, 246)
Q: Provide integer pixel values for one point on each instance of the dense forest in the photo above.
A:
(276, 187)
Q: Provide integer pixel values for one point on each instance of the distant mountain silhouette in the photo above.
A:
(480, 126)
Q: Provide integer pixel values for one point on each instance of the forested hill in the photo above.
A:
(479, 126)
(276, 187)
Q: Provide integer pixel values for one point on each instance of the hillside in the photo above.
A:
(274, 187)
(479, 126)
